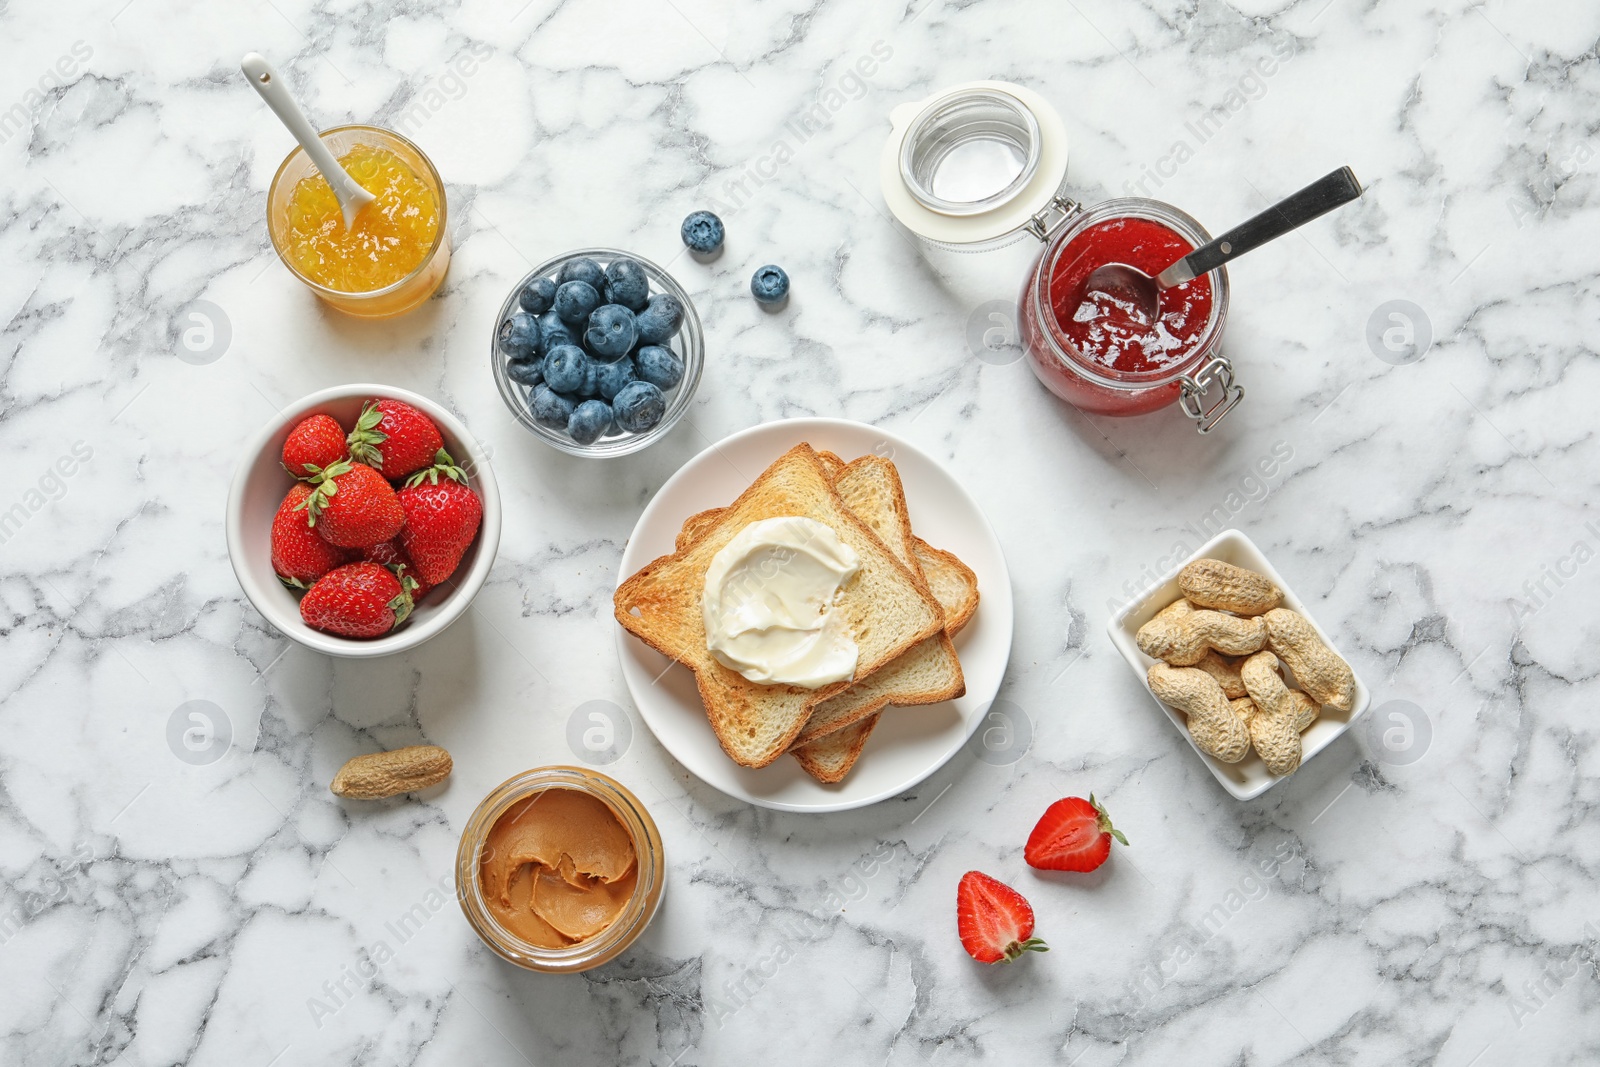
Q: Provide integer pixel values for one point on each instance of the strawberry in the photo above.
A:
(314, 443)
(299, 556)
(395, 438)
(995, 921)
(360, 599)
(1073, 834)
(391, 555)
(352, 506)
(441, 518)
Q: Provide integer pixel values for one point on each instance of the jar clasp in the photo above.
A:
(1192, 390)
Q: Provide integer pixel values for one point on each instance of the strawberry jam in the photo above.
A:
(1111, 333)
(1104, 358)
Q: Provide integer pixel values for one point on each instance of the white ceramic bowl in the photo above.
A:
(1248, 778)
(259, 486)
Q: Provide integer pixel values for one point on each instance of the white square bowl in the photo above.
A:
(1248, 778)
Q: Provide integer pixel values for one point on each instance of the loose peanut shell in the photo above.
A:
(385, 774)
(1211, 583)
(1214, 725)
(1319, 671)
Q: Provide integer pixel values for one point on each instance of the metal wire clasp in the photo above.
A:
(1192, 391)
(1054, 215)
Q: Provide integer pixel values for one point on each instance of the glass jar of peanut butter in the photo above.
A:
(560, 869)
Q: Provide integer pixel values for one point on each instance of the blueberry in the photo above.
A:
(526, 371)
(611, 332)
(627, 284)
(575, 300)
(769, 284)
(582, 270)
(537, 296)
(554, 332)
(659, 366)
(519, 336)
(551, 409)
(589, 421)
(611, 377)
(639, 406)
(702, 232)
(566, 368)
(658, 322)
(590, 387)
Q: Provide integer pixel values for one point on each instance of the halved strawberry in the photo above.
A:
(361, 599)
(314, 443)
(299, 555)
(442, 518)
(1073, 834)
(391, 555)
(995, 921)
(351, 505)
(395, 438)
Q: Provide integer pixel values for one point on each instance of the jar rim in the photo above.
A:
(431, 178)
(1038, 292)
(918, 129)
(615, 938)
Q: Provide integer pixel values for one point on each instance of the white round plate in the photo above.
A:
(909, 743)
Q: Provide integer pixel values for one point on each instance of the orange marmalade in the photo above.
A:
(392, 235)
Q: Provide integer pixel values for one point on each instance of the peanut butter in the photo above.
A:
(557, 868)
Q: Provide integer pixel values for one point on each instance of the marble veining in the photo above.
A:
(1421, 893)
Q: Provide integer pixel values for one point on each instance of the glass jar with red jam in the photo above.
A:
(981, 165)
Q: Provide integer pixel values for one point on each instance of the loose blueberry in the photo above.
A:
(575, 300)
(658, 322)
(702, 232)
(566, 368)
(589, 421)
(526, 371)
(639, 406)
(519, 336)
(553, 332)
(551, 409)
(611, 377)
(582, 270)
(537, 296)
(769, 284)
(611, 332)
(627, 284)
(659, 366)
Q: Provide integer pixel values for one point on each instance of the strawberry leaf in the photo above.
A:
(366, 437)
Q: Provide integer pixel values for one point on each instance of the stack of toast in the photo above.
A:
(903, 607)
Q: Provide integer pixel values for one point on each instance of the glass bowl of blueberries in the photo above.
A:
(598, 352)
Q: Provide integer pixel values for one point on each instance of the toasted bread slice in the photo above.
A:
(885, 607)
(954, 584)
(928, 673)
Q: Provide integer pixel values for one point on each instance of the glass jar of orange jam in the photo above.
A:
(397, 252)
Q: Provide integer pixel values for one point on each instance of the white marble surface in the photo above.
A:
(1438, 911)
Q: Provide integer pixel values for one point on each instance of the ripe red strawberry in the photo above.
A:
(391, 555)
(395, 438)
(314, 443)
(352, 506)
(442, 518)
(995, 921)
(299, 555)
(1073, 834)
(361, 599)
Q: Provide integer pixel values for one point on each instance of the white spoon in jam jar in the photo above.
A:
(1139, 294)
(273, 89)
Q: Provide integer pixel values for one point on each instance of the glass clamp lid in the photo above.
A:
(976, 166)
